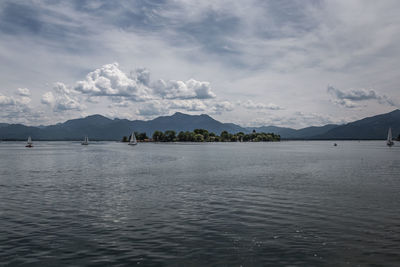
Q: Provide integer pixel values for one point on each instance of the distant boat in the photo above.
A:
(29, 143)
(86, 141)
(389, 140)
(132, 140)
(334, 144)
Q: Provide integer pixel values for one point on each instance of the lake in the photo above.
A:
(291, 203)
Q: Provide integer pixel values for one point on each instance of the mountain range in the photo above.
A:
(98, 127)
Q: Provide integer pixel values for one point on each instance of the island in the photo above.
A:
(202, 135)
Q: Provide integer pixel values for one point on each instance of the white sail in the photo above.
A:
(389, 140)
(86, 141)
(132, 140)
(29, 143)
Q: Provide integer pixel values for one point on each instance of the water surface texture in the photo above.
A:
(219, 204)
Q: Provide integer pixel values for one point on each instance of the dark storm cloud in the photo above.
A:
(286, 18)
(127, 15)
(211, 30)
(20, 18)
(45, 25)
(166, 18)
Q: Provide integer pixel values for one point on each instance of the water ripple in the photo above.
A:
(206, 205)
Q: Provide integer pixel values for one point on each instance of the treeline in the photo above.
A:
(202, 135)
(139, 137)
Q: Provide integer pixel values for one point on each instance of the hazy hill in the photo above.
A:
(98, 127)
(185, 122)
(375, 127)
(289, 133)
(282, 131)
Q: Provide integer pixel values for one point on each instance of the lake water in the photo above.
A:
(220, 204)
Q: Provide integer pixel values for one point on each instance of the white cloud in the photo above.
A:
(18, 110)
(345, 103)
(348, 98)
(152, 108)
(142, 76)
(48, 98)
(63, 99)
(121, 104)
(249, 104)
(295, 119)
(117, 114)
(7, 101)
(25, 100)
(219, 107)
(190, 89)
(188, 105)
(23, 92)
(93, 99)
(110, 81)
(122, 90)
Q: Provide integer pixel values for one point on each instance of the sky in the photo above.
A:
(291, 63)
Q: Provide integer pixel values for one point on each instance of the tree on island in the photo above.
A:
(158, 136)
(224, 136)
(203, 132)
(198, 138)
(202, 135)
(142, 136)
(169, 136)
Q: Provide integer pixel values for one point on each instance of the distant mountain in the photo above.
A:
(309, 132)
(98, 127)
(373, 128)
(18, 132)
(289, 133)
(282, 131)
(185, 122)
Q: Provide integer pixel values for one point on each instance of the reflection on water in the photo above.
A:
(287, 203)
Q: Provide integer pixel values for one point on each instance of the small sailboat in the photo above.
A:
(132, 140)
(86, 141)
(29, 143)
(389, 140)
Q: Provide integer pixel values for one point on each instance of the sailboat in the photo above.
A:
(29, 143)
(86, 141)
(389, 140)
(132, 140)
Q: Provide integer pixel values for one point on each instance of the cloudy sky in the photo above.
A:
(254, 62)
